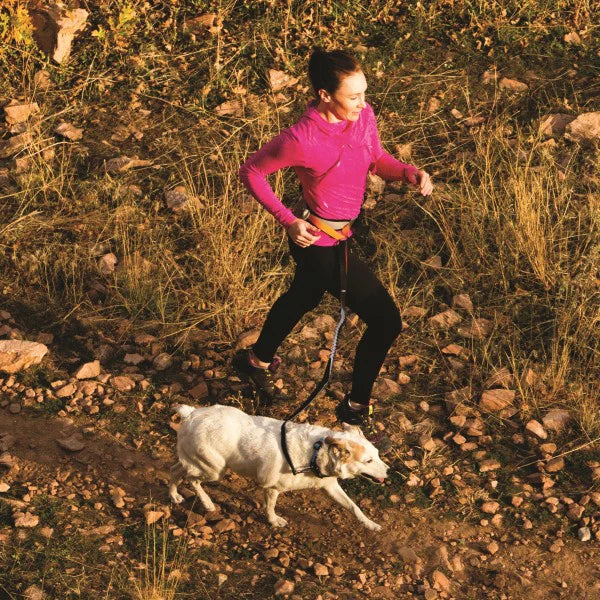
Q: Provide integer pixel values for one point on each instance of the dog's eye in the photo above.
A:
(368, 461)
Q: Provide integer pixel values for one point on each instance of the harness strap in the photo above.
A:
(343, 263)
(337, 234)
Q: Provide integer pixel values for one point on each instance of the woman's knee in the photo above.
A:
(384, 317)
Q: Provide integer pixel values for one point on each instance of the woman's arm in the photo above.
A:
(282, 151)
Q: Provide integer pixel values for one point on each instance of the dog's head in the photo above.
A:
(350, 454)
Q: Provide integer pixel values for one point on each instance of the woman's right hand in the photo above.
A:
(303, 233)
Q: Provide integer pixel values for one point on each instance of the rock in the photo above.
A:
(556, 419)
(433, 105)
(14, 408)
(324, 323)
(500, 378)
(496, 400)
(25, 519)
(385, 388)
(69, 131)
(445, 320)
(403, 378)
(55, 27)
(575, 511)
(283, 587)
(414, 312)
(208, 21)
(492, 548)
(585, 128)
(279, 80)
(536, 428)
(513, 85)
(584, 534)
(33, 592)
(133, 359)
(489, 465)
(199, 391)
(320, 570)
(72, 443)
(125, 163)
(42, 80)
(116, 495)
(18, 112)
(490, 507)
(477, 329)
(408, 361)
(247, 339)
(122, 383)
(375, 184)
(408, 555)
(17, 355)
(162, 361)
(440, 582)
(435, 262)
(554, 125)
(555, 464)
(230, 108)
(177, 198)
(66, 391)
(106, 265)
(15, 144)
(152, 516)
(88, 370)
(4, 487)
(462, 301)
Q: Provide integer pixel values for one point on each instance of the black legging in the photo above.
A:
(317, 272)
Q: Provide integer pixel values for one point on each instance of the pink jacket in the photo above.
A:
(331, 161)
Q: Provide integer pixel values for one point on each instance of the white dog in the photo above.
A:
(214, 438)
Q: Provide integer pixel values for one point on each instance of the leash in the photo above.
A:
(343, 262)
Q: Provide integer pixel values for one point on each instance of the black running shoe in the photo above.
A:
(263, 380)
(363, 418)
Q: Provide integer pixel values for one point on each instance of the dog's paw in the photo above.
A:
(209, 506)
(176, 498)
(278, 521)
(372, 526)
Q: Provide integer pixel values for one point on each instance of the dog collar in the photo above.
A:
(314, 467)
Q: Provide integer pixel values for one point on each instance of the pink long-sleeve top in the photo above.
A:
(331, 161)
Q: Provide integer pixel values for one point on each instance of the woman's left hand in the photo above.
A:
(421, 179)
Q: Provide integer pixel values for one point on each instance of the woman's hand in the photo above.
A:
(421, 179)
(303, 233)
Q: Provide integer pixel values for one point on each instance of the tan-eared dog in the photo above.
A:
(215, 438)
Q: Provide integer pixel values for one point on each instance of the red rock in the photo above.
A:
(495, 400)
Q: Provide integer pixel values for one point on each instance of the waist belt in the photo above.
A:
(338, 230)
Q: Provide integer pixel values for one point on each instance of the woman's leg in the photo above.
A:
(313, 269)
(367, 297)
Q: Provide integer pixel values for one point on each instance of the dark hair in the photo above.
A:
(326, 69)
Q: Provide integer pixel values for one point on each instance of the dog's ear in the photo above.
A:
(354, 429)
(338, 446)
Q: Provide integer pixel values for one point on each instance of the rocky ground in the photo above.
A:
(483, 501)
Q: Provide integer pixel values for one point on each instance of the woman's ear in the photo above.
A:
(325, 96)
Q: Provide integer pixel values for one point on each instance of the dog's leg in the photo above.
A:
(204, 497)
(338, 494)
(271, 495)
(177, 475)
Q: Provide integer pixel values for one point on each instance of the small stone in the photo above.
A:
(492, 548)
(500, 378)
(556, 420)
(414, 312)
(584, 534)
(69, 131)
(4, 487)
(125, 163)
(247, 339)
(162, 361)
(513, 85)
(462, 301)
(408, 555)
(477, 329)
(17, 355)
(489, 465)
(435, 262)
(555, 464)
(66, 391)
(72, 443)
(122, 383)
(221, 578)
(33, 592)
(15, 144)
(554, 125)
(403, 378)
(496, 400)
(14, 408)
(320, 570)
(445, 320)
(19, 112)
(153, 515)
(106, 265)
(133, 359)
(585, 128)
(536, 428)
(25, 519)
(440, 582)
(177, 199)
(88, 370)
(283, 587)
(490, 507)
(199, 391)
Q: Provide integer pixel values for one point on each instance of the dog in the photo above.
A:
(215, 438)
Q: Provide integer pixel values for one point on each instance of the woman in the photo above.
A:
(331, 148)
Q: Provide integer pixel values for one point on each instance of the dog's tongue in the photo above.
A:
(379, 479)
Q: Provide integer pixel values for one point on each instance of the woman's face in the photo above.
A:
(349, 99)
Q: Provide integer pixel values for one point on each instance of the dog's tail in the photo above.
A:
(184, 411)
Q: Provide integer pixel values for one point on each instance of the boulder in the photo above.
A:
(16, 355)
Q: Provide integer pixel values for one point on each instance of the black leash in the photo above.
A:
(343, 260)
